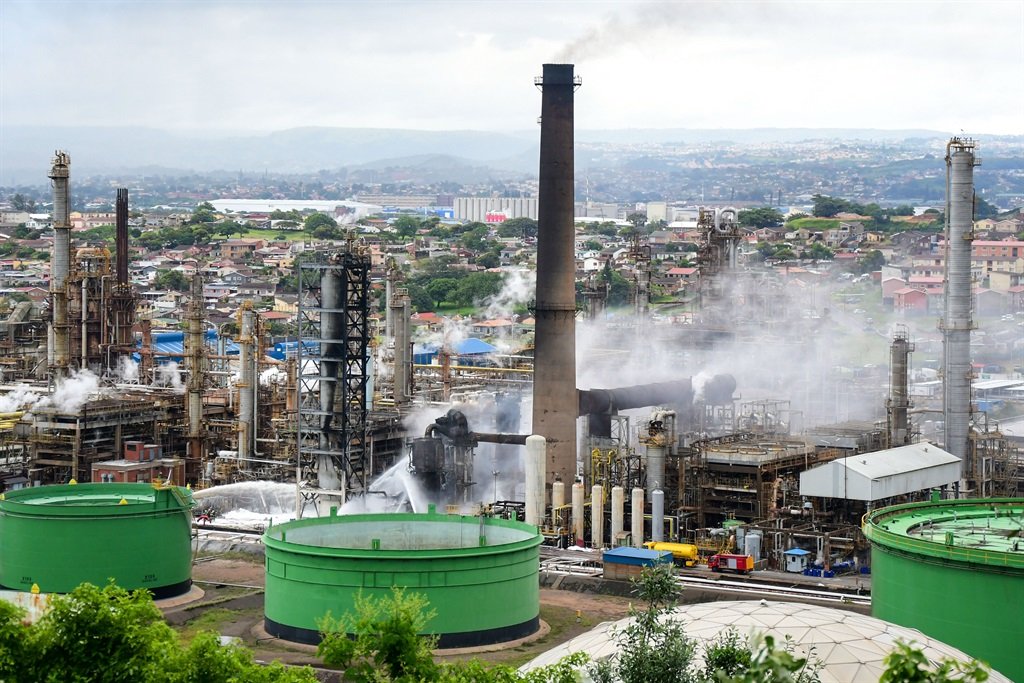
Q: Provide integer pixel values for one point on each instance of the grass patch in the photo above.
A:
(215, 619)
(290, 235)
(814, 223)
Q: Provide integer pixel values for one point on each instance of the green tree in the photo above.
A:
(827, 207)
(406, 226)
(316, 220)
(765, 217)
(442, 289)
(983, 209)
(110, 634)
(227, 228)
(387, 639)
(20, 202)
(174, 280)
(518, 227)
(817, 251)
(906, 664)
(871, 261)
(476, 287)
(592, 245)
(488, 259)
(419, 298)
(204, 213)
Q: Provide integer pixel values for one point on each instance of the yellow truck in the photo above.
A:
(683, 554)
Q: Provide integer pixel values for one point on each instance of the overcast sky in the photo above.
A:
(248, 65)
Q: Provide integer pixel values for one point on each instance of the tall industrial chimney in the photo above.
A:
(195, 349)
(121, 235)
(956, 324)
(60, 262)
(554, 381)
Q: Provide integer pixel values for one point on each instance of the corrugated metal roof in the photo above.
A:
(896, 461)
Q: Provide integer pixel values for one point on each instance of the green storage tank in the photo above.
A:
(56, 537)
(478, 573)
(955, 571)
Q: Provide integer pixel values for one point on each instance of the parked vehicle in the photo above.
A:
(741, 564)
(683, 554)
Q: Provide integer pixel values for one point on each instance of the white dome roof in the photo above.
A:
(851, 646)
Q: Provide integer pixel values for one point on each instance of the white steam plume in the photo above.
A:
(72, 392)
(127, 369)
(22, 398)
(169, 375)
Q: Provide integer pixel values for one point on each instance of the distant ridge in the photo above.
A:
(25, 150)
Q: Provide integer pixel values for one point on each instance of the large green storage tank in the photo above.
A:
(478, 573)
(56, 537)
(955, 571)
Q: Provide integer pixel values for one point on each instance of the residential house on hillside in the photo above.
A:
(239, 248)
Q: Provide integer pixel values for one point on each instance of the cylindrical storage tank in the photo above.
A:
(923, 554)
(658, 515)
(557, 495)
(618, 512)
(741, 540)
(597, 516)
(637, 517)
(535, 479)
(577, 513)
(479, 574)
(57, 537)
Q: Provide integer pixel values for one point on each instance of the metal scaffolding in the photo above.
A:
(332, 376)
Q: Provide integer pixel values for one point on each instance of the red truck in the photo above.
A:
(741, 564)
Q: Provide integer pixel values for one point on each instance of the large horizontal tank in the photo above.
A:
(955, 571)
(478, 573)
(56, 537)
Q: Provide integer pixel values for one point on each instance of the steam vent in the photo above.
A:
(479, 574)
(57, 537)
(931, 559)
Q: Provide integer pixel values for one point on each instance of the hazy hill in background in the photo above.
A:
(25, 151)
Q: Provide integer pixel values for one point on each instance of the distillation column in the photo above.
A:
(957, 321)
(554, 382)
(398, 311)
(60, 264)
(195, 356)
(899, 396)
(246, 387)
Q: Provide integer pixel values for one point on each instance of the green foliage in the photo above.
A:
(419, 298)
(728, 655)
(387, 644)
(871, 261)
(620, 290)
(818, 251)
(174, 280)
(827, 207)
(293, 215)
(100, 234)
(813, 223)
(518, 227)
(317, 220)
(592, 245)
(770, 664)
(227, 228)
(795, 217)
(441, 289)
(406, 226)
(20, 202)
(905, 664)
(14, 641)
(765, 217)
(983, 209)
(204, 213)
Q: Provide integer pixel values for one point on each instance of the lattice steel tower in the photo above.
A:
(333, 376)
